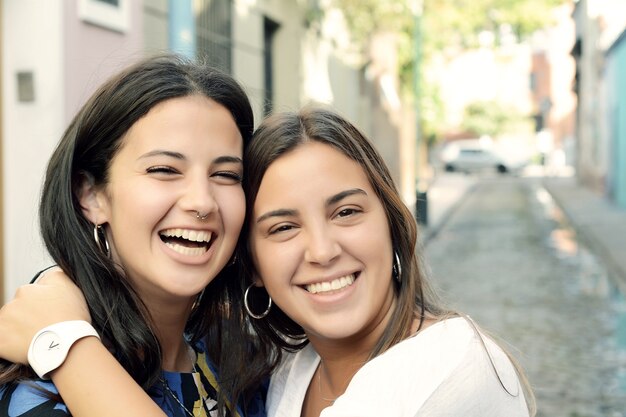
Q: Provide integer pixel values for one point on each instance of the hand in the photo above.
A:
(54, 298)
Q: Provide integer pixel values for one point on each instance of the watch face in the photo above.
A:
(48, 349)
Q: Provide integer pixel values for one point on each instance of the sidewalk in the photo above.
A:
(600, 224)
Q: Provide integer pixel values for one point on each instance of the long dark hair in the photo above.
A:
(86, 150)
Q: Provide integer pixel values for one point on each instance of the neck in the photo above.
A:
(339, 361)
(341, 358)
(170, 321)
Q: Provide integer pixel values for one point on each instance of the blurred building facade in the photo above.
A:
(554, 103)
(599, 86)
(531, 77)
(286, 54)
(615, 118)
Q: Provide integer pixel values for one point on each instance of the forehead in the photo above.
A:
(193, 118)
(313, 170)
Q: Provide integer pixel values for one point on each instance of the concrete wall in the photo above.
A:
(92, 53)
(68, 58)
(1, 157)
(597, 26)
(616, 120)
(32, 36)
(155, 26)
(248, 51)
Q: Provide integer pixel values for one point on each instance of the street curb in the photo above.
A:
(429, 232)
(587, 215)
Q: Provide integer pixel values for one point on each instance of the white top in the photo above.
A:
(443, 371)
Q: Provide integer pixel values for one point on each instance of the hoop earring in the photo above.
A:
(250, 313)
(97, 231)
(396, 269)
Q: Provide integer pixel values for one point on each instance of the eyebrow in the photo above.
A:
(228, 159)
(340, 196)
(330, 201)
(177, 155)
(277, 213)
(160, 152)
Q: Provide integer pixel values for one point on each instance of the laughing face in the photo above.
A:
(321, 244)
(173, 205)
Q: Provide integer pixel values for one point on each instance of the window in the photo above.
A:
(109, 14)
(25, 86)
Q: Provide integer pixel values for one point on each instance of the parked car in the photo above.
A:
(474, 155)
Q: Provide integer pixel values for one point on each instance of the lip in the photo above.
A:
(189, 259)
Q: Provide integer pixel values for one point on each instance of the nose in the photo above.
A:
(198, 198)
(322, 247)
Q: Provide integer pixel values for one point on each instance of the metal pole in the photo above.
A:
(421, 196)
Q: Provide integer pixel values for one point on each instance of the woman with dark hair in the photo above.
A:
(142, 206)
(336, 290)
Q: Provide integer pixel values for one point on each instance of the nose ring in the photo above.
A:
(201, 216)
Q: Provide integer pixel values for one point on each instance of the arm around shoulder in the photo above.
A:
(105, 388)
(92, 383)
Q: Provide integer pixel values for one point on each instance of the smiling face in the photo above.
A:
(321, 244)
(182, 158)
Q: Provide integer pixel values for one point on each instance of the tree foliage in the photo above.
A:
(458, 24)
(426, 28)
(492, 118)
(443, 24)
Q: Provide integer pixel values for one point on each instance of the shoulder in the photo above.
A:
(484, 383)
(450, 350)
(437, 350)
(30, 399)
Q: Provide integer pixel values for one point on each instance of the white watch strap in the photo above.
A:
(59, 338)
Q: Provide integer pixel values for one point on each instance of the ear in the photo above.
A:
(93, 201)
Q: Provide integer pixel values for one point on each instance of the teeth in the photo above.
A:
(185, 250)
(333, 285)
(191, 235)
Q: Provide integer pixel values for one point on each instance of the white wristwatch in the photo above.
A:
(49, 347)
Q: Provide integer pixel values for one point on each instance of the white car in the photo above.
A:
(475, 155)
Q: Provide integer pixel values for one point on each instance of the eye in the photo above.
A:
(162, 169)
(281, 228)
(348, 212)
(232, 177)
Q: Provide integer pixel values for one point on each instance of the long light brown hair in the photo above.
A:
(416, 298)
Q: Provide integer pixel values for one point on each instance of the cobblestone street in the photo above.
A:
(508, 258)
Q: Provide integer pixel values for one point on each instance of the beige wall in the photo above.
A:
(32, 42)
(2, 240)
(247, 58)
(155, 25)
(288, 52)
(93, 53)
(68, 59)
(248, 51)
